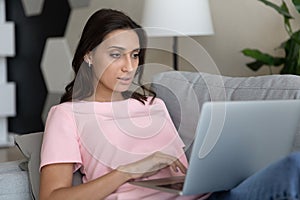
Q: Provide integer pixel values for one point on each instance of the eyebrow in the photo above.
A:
(122, 48)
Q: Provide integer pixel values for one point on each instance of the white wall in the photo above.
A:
(243, 24)
(238, 24)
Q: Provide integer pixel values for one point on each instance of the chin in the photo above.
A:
(122, 88)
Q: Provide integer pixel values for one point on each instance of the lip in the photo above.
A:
(125, 80)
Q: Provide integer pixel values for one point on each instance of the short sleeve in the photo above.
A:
(60, 141)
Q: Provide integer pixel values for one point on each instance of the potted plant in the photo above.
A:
(291, 60)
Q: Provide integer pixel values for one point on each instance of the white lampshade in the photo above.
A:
(177, 17)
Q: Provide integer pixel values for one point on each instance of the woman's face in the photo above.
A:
(114, 63)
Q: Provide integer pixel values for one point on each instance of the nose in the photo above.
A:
(128, 64)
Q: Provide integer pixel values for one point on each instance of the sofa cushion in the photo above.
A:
(185, 92)
(14, 186)
(13, 182)
(30, 146)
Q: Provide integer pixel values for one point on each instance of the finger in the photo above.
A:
(174, 167)
(168, 158)
(180, 166)
(172, 161)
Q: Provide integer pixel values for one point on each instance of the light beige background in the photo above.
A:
(238, 24)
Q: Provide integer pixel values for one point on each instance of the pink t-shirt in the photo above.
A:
(98, 137)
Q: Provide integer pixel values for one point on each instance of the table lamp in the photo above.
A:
(174, 18)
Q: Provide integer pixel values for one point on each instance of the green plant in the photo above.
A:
(291, 60)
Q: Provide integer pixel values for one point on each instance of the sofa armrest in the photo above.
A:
(30, 146)
(14, 183)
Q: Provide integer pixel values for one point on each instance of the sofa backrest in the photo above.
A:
(185, 92)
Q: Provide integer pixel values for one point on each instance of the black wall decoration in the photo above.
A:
(24, 69)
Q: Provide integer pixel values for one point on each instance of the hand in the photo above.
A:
(151, 165)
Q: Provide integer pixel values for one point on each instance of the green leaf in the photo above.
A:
(287, 24)
(278, 61)
(296, 36)
(278, 9)
(298, 62)
(292, 49)
(297, 5)
(291, 59)
(266, 59)
(255, 65)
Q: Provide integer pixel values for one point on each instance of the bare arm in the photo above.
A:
(56, 179)
(56, 183)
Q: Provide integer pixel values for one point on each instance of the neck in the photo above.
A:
(115, 97)
(102, 97)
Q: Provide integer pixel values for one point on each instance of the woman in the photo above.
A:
(111, 134)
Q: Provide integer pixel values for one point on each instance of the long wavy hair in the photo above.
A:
(101, 23)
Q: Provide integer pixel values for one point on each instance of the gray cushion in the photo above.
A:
(30, 146)
(185, 92)
(13, 182)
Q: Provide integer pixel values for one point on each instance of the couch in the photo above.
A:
(183, 93)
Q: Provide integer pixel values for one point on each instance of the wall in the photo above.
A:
(238, 25)
(244, 24)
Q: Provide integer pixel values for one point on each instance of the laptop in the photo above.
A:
(233, 140)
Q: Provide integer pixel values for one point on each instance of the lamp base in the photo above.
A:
(175, 51)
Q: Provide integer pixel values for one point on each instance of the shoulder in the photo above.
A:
(60, 110)
(156, 104)
(63, 107)
(158, 101)
(60, 120)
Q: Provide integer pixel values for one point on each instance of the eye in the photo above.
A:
(135, 55)
(115, 55)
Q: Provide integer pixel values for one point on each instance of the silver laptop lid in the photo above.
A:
(235, 139)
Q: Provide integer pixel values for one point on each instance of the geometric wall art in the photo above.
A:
(79, 3)
(33, 7)
(56, 64)
(24, 69)
(57, 70)
(38, 61)
(7, 89)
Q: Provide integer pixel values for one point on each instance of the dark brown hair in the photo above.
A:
(101, 23)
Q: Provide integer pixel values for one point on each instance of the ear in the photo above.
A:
(88, 58)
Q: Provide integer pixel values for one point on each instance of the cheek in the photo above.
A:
(101, 69)
(136, 63)
(108, 76)
(100, 73)
(100, 62)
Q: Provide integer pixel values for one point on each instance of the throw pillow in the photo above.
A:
(30, 146)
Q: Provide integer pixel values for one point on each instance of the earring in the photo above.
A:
(90, 65)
